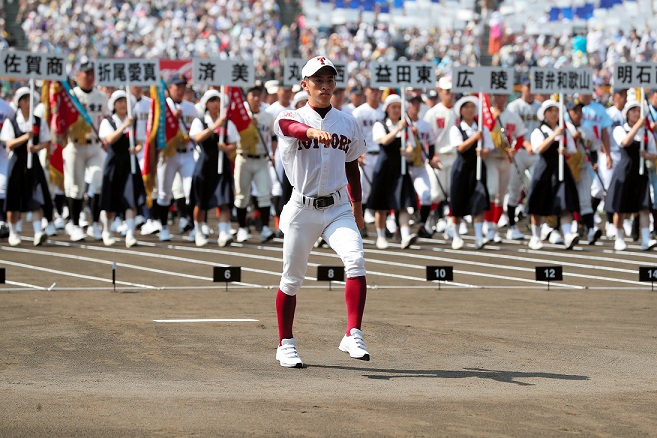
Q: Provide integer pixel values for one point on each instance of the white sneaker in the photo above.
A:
(39, 239)
(546, 231)
(139, 220)
(368, 217)
(408, 241)
(441, 226)
(571, 240)
(457, 242)
(108, 239)
(593, 235)
(391, 225)
(130, 241)
(200, 239)
(266, 234)
(463, 228)
(381, 243)
(480, 243)
(116, 224)
(14, 240)
(627, 226)
(150, 227)
(650, 244)
(287, 354)
(620, 245)
(449, 232)
(354, 345)
(242, 235)
(497, 238)
(513, 233)
(504, 221)
(76, 234)
(83, 220)
(165, 236)
(60, 223)
(555, 238)
(95, 231)
(183, 223)
(610, 231)
(205, 229)
(50, 230)
(535, 243)
(224, 239)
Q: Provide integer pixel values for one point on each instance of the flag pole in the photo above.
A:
(222, 133)
(403, 137)
(30, 142)
(480, 127)
(131, 130)
(561, 140)
(642, 161)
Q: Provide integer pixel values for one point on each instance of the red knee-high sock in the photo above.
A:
(355, 292)
(489, 215)
(285, 306)
(498, 212)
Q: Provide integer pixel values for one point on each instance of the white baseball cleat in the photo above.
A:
(95, 231)
(224, 239)
(130, 241)
(571, 240)
(150, 227)
(593, 235)
(14, 240)
(108, 239)
(39, 239)
(242, 235)
(650, 244)
(555, 238)
(200, 239)
(620, 245)
(408, 241)
(381, 243)
(76, 234)
(286, 354)
(480, 243)
(457, 242)
(513, 233)
(165, 236)
(354, 345)
(535, 243)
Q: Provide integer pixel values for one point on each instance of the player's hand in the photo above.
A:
(322, 137)
(33, 148)
(435, 162)
(402, 124)
(357, 208)
(559, 131)
(511, 152)
(128, 122)
(577, 135)
(495, 112)
(178, 114)
(610, 161)
(132, 151)
(478, 135)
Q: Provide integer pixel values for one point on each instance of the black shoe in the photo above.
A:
(363, 232)
(279, 234)
(423, 233)
(4, 231)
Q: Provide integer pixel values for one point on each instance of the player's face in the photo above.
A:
(86, 79)
(373, 96)
(357, 99)
(652, 98)
(338, 97)
(284, 96)
(177, 91)
(446, 97)
(320, 89)
(552, 115)
(253, 98)
(620, 99)
(137, 91)
(576, 115)
(414, 108)
(585, 98)
(24, 103)
(499, 100)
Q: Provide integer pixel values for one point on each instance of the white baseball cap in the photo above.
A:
(544, 107)
(445, 83)
(393, 98)
(118, 94)
(315, 64)
(24, 91)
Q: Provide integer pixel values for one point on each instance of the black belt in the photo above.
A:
(321, 202)
(373, 152)
(255, 156)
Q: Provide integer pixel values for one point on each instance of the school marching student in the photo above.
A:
(122, 192)
(210, 189)
(598, 190)
(547, 195)
(629, 190)
(469, 196)
(586, 143)
(392, 189)
(25, 187)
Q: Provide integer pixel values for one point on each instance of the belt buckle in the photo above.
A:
(323, 202)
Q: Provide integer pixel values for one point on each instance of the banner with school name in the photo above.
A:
(494, 80)
(402, 74)
(117, 72)
(562, 80)
(635, 75)
(19, 64)
(215, 71)
(292, 72)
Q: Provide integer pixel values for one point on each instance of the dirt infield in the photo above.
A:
(492, 354)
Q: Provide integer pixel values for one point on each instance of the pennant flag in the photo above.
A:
(237, 113)
(163, 135)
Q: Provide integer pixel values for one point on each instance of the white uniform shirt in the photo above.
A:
(265, 123)
(378, 131)
(189, 113)
(345, 109)
(456, 139)
(95, 103)
(617, 119)
(538, 138)
(313, 169)
(140, 113)
(8, 133)
(620, 132)
(232, 135)
(526, 111)
(587, 134)
(106, 129)
(6, 112)
(366, 116)
(425, 134)
(276, 108)
(441, 119)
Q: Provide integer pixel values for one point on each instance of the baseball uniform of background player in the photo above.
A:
(6, 112)
(81, 154)
(319, 148)
(367, 116)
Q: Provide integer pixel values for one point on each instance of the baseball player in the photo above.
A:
(337, 101)
(182, 162)
(615, 113)
(87, 153)
(25, 187)
(6, 112)
(319, 148)
(123, 192)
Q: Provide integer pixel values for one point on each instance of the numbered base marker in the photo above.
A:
(440, 274)
(549, 273)
(648, 274)
(2, 275)
(330, 273)
(226, 274)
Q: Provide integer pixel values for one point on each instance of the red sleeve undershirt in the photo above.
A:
(520, 142)
(298, 130)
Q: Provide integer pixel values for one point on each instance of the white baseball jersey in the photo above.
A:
(189, 113)
(527, 112)
(441, 119)
(425, 134)
(140, 114)
(315, 169)
(265, 123)
(95, 103)
(6, 112)
(276, 108)
(617, 119)
(366, 116)
(347, 110)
